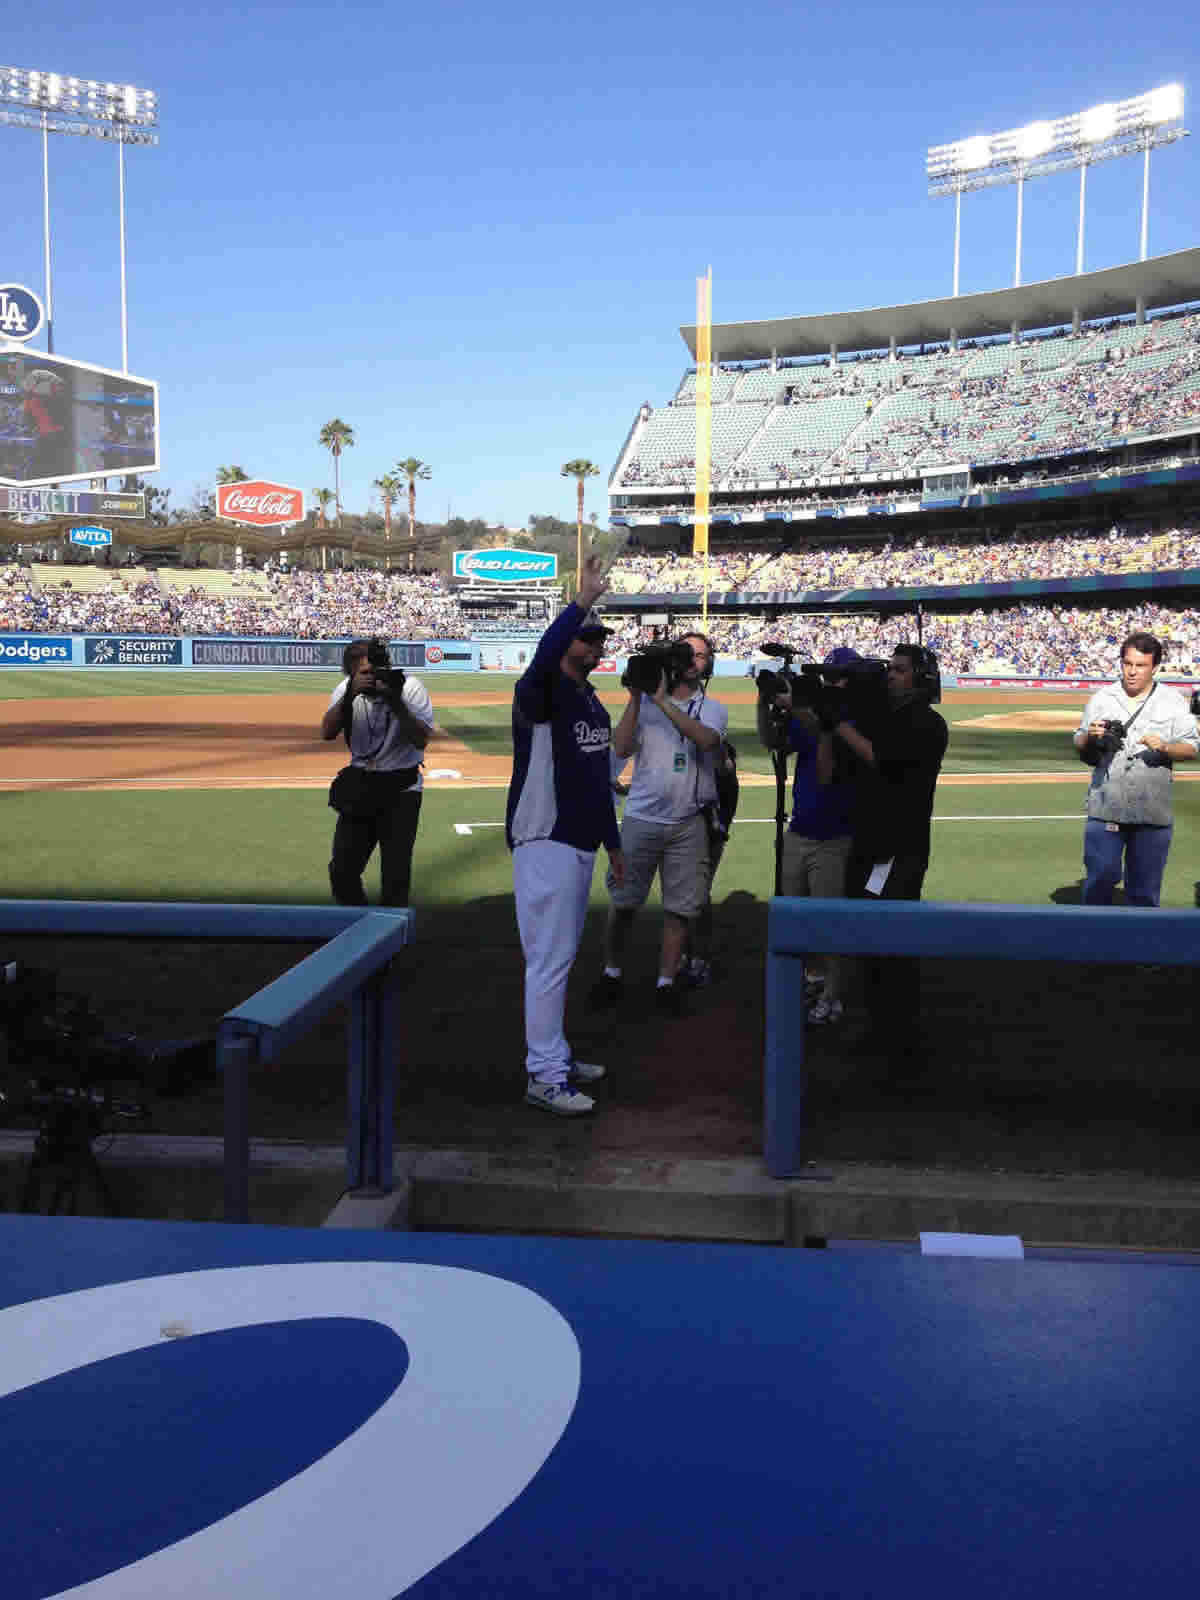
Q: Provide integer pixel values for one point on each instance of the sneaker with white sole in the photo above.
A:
(558, 1098)
(824, 1012)
(587, 1071)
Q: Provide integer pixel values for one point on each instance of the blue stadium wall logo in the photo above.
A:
(91, 536)
(504, 566)
(16, 651)
(21, 311)
(118, 651)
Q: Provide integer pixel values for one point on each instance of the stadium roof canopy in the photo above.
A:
(1163, 281)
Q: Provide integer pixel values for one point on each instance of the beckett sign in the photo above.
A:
(260, 504)
(504, 566)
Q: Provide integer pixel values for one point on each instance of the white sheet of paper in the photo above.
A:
(879, 876)
(994, 1246)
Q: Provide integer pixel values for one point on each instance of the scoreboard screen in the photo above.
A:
(61, 420)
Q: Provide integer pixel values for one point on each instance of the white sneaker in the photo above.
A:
(825, 1012)
(559, 1098)
(587, 1071)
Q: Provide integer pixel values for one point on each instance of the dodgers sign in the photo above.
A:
(21, 311)
(504, 566)
(91, 536)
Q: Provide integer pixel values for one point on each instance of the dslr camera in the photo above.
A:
(649, 665)
(389, 680)
(1113, 737)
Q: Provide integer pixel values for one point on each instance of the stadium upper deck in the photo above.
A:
(1105, 365)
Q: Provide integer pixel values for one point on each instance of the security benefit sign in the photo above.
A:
(61, 419)
(505, 566)
(116, 650)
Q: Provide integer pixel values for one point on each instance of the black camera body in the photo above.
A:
(859, 695)
(389, 680)
(1113, 737)
(650, 665)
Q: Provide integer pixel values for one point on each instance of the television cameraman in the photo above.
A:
(889, 848)
(673, 730)
(386, 717)
(1131, 734)
(816, 846)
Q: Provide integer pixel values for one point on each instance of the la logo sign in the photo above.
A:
(21, 312)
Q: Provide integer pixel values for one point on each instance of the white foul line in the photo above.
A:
(745, 822)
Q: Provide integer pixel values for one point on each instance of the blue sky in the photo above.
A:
(473, 232)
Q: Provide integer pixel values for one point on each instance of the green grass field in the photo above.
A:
(1113, 1045)
(992, 841)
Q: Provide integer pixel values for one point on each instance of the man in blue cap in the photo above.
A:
(816, 845)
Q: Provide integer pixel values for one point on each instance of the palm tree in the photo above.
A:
(232, 475)
(412, 469)
(579, 470)
(323, 498)
(389, 487)
(336, 436)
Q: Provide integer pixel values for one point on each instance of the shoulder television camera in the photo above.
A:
(852, 690)
(648, 666)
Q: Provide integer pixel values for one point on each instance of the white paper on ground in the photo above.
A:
(995, 1246)
(879, 876)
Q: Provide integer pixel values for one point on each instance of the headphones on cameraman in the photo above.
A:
(927, 677)
(694, 633)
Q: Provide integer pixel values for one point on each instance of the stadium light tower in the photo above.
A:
(1102, 133)
(57, 104)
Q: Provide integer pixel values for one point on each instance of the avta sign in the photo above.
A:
(92, 537)
(260, 504)
(504, 566)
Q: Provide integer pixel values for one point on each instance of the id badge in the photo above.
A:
(681, 761)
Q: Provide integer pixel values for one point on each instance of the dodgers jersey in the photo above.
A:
(561, 786)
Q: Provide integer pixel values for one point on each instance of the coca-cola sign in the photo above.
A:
(262, 505)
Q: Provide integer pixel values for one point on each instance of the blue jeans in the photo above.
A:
(1144, 846)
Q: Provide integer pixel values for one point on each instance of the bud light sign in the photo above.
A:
(20, 311)
(504, 566)
(91, 536)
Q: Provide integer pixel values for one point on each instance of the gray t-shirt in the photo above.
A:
(1134, 785)
(672, 778)
(376, 739)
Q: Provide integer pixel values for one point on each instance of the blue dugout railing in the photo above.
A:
(797, 929)
(352, 966)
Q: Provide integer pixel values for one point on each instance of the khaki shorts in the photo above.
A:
(814, 868)
(677, 851)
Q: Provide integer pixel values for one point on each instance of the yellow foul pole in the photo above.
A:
(703, 422)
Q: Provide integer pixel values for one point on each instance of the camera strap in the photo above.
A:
(1140, 709)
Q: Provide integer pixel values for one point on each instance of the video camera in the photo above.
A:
(389, 680)
(653, 662)
(861, 698)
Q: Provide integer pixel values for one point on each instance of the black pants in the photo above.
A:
(892, 984)
(394, 830)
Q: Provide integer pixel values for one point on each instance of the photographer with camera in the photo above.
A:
(796, 716)
(386, 718)
(1131, 734)
(673, 731)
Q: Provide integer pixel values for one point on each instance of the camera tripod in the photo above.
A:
(63, 1152)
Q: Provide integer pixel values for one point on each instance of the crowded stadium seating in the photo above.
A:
(993, 403)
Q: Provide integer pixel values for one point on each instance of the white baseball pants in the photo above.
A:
(551, 883)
